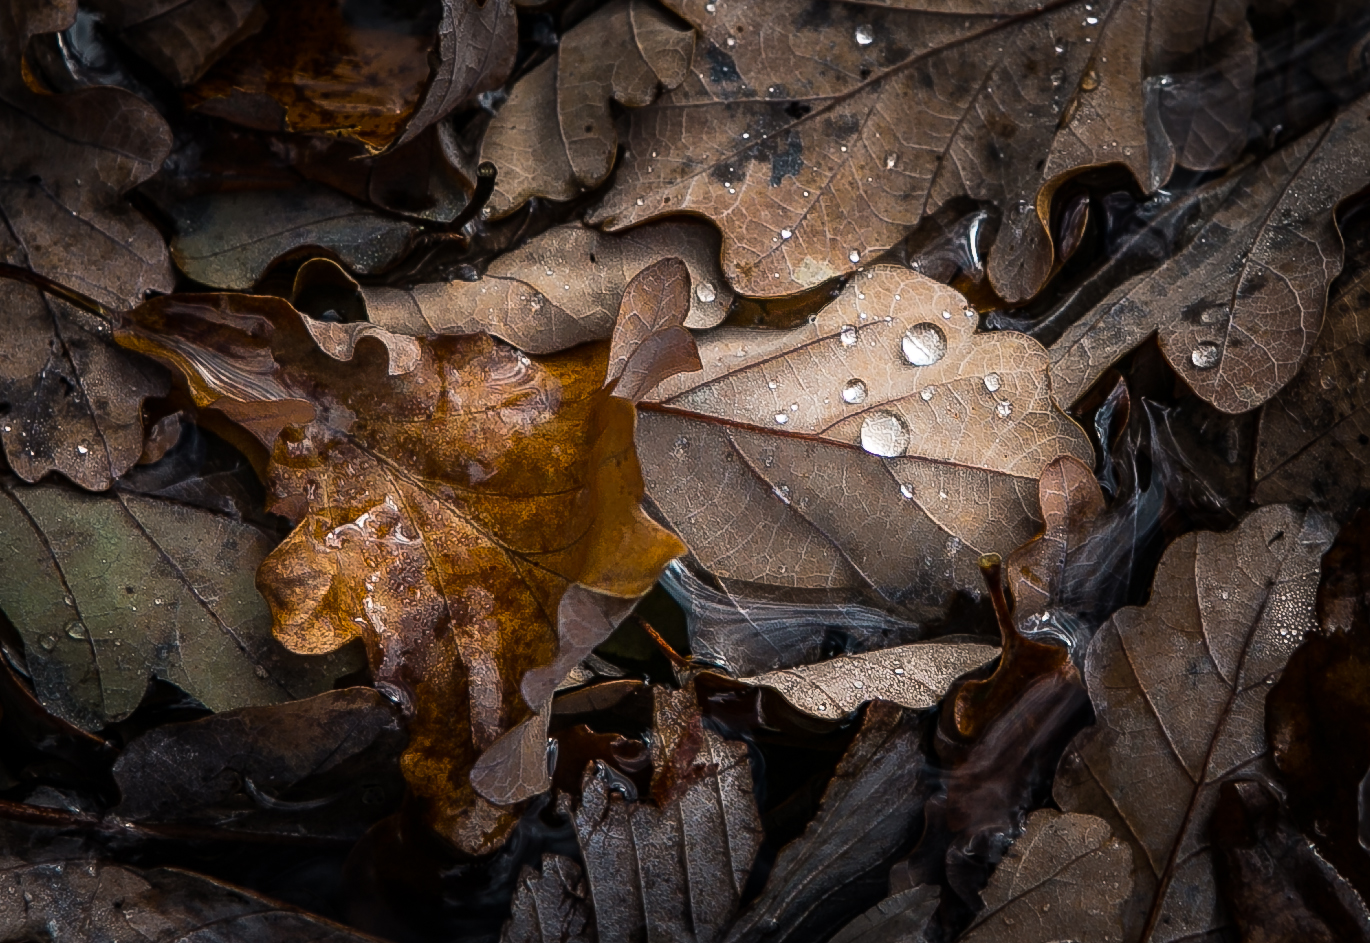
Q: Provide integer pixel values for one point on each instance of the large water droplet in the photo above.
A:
(864, 36)
(1205, 355)
(992, 382)
(847, 335)
(782, 418)
(924, 344)
(884, 434)
(854, 392)
(854, 256)
(705, 292)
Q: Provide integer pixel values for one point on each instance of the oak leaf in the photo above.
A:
(181, 39)
(816, 138)
(1179, 689)
(448, 493)
(880, 446)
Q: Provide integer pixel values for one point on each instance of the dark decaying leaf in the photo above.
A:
(551, 905)
(555, 136)
(1179, 690)
(1275, 885)
(559, 290)
(72, 403)
(837, 867)
(109, 591)
(228, 240)
(673, 867)
(1238, 309)
(899, 918)
(447, 492)
(879, 447)
(182, 39)
(816, 138)
(327, 764)
(88, 899)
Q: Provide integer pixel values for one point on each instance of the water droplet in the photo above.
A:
(992, 382)
(864, 36)
(782, 418)
(1057, 77)
(1328, 382)
(82, 449)
(1004, 409)
(924, 344)
(1090, 81)
(906, 492)
(854, 256)
(928, 392)
(705, 292)
(1214, 315)
(847, 335)
(785, 234)
(1091, 21)
(884, 434)
(49, 642)
(709, 8)
(890, 160)
(899, 671)
(1205, 355)
(76, 629)
(772, 385)
(854, 392)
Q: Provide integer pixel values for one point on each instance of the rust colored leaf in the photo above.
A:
(1179, 689)
(72, 403)
(559, 290)
(880, 446)
(447, 491)
(674, 867)
(650, 343)
(816, 140)
(1238, 309)
(551, 905)
(1067, 877)
(183, 39)
(555, 136)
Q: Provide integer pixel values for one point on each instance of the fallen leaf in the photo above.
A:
(899, 918)
(868, 812)
(1206, 112)
(228, 240)
(746, 633)
(71, 403)
(1179, 689)
(79, 899)
(446, 490)
(559, 290)
(110, 590)
(1067, 877)
(1273, 882)
(674, 867)
(551, 905)
(325, 765)
(1238, 309)
(555, 136)
(182, 39)
(913, 676)
(817, 140)
(880, 446)
(650, 343)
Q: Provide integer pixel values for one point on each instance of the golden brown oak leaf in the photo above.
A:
(818, 137)
(881, 446)
(453, 498)
(71, 402)
(1179, 689)
(561, 289)
(555, 136)
(1238, 309)
(182, 39)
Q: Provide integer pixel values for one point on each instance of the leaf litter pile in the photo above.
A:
(665, 470)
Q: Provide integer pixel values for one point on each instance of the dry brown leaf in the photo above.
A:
(1313, 435)
(1238, 309)
(559, 290)
(817, 137)
(1179, 689)
(448, 493)
(650, 343)
(1206, 112)
(913, 676)
(182, 39)
(69, 402)
(884, 445)
(555, 136)
(1066, 878)
(674, 868)
(551, 905)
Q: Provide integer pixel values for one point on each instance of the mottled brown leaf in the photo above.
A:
(1179, 689)
(817, 137)
(1066, 878)
(447, 491)
(111, 590)
(72, 403)
(880, 446)
(555, 136)
(182, 39)
(1238, 309)
(559, 290)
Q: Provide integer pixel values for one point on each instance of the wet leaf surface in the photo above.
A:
(551, 905)
(182, 40)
